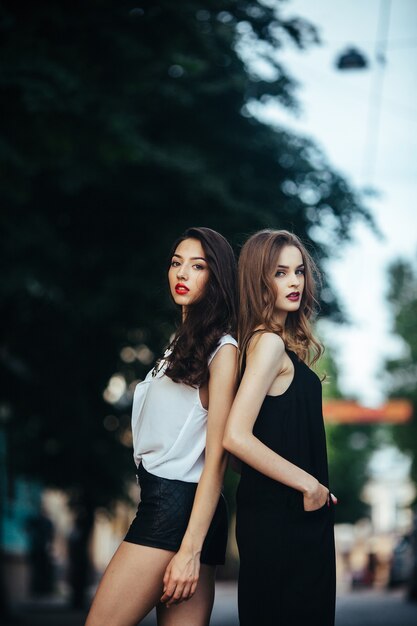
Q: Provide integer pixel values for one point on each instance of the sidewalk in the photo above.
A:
(362, 608)
(375, 608)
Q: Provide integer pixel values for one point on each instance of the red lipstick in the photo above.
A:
(294, 296)
(181, 289)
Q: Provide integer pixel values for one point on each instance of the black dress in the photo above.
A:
(287, 557)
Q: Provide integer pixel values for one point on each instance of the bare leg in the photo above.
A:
(131, 586)
(197, 610)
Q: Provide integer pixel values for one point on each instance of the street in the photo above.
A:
(362, 608)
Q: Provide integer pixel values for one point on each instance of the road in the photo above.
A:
(362, 608)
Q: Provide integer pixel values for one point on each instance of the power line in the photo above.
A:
(374, 115)
(390, 45)
(391, 104)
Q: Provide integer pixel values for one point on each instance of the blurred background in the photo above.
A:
(122, 124)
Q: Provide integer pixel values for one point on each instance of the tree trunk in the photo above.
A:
(79, 560)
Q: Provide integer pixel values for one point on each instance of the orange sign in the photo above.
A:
(395, 411)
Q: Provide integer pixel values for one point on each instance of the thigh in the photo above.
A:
(131, 586)
(197, 610)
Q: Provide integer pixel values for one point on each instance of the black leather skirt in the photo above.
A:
(163, 514)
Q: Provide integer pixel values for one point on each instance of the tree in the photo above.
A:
(121, 126)
(349, 450)
(401, 373)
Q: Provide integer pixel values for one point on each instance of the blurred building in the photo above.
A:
(390, 492)
(365, 550)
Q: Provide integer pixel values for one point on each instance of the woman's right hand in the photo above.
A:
(181, 577)
(316, 498)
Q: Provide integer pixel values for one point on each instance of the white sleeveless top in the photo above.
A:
(169, 425)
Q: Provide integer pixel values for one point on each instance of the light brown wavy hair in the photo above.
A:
(258, 264)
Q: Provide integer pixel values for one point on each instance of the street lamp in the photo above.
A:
(352, 59)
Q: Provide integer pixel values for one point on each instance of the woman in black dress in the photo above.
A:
(285, 512)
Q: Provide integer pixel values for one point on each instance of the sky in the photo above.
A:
(365, 121)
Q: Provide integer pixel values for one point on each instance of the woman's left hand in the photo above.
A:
(181, 577)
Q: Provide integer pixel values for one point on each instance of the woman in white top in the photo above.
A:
(179, 413)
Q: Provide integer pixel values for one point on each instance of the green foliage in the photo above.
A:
(401, 373)
(349, 447)
(121, 126)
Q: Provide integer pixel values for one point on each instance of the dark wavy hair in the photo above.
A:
(213, 315)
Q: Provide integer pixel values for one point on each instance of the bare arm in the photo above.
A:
(265, 361)
(181, 576)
